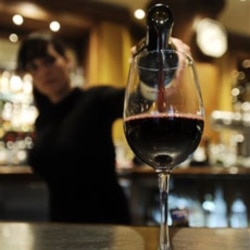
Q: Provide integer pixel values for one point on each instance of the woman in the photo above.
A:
(73, 150)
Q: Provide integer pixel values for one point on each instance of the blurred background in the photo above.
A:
(100, 34)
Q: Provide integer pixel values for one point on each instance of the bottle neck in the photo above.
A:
(158, 39)
(159, 27)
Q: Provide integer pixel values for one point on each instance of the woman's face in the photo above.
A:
(51, 74)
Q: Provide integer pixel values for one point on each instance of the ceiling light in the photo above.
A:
(54, 26)
(13, 37)
(211, 37)
(139, 14)
(17, 19)
(246, 63)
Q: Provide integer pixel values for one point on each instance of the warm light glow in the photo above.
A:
(15, 83)
(31, 10)
(17, 19)
(139, 14)
(13, 37)
(54, 26)
(246, 63)
(211, 37)
(27, 84)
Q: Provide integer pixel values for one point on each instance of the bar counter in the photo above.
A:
(52, 236)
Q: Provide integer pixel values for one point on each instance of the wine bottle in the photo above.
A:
(157, 41)
(159, 25)
(238, 217)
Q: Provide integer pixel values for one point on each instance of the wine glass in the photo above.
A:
(163, 117)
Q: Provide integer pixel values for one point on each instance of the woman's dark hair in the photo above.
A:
(35, 46)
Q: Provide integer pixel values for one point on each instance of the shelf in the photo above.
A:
(197, 170)
(146, 170)
(15, 170)
(11, 174)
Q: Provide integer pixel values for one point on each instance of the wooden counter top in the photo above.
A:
(46, 236)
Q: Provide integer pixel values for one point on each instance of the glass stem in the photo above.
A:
(164, 243)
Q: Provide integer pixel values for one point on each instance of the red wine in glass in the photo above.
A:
(163, 141)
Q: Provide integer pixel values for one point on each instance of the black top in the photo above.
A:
(74, 154)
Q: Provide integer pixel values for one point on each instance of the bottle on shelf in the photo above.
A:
(159, 23)
(200, 156)
(218, 216)
(238, 216)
